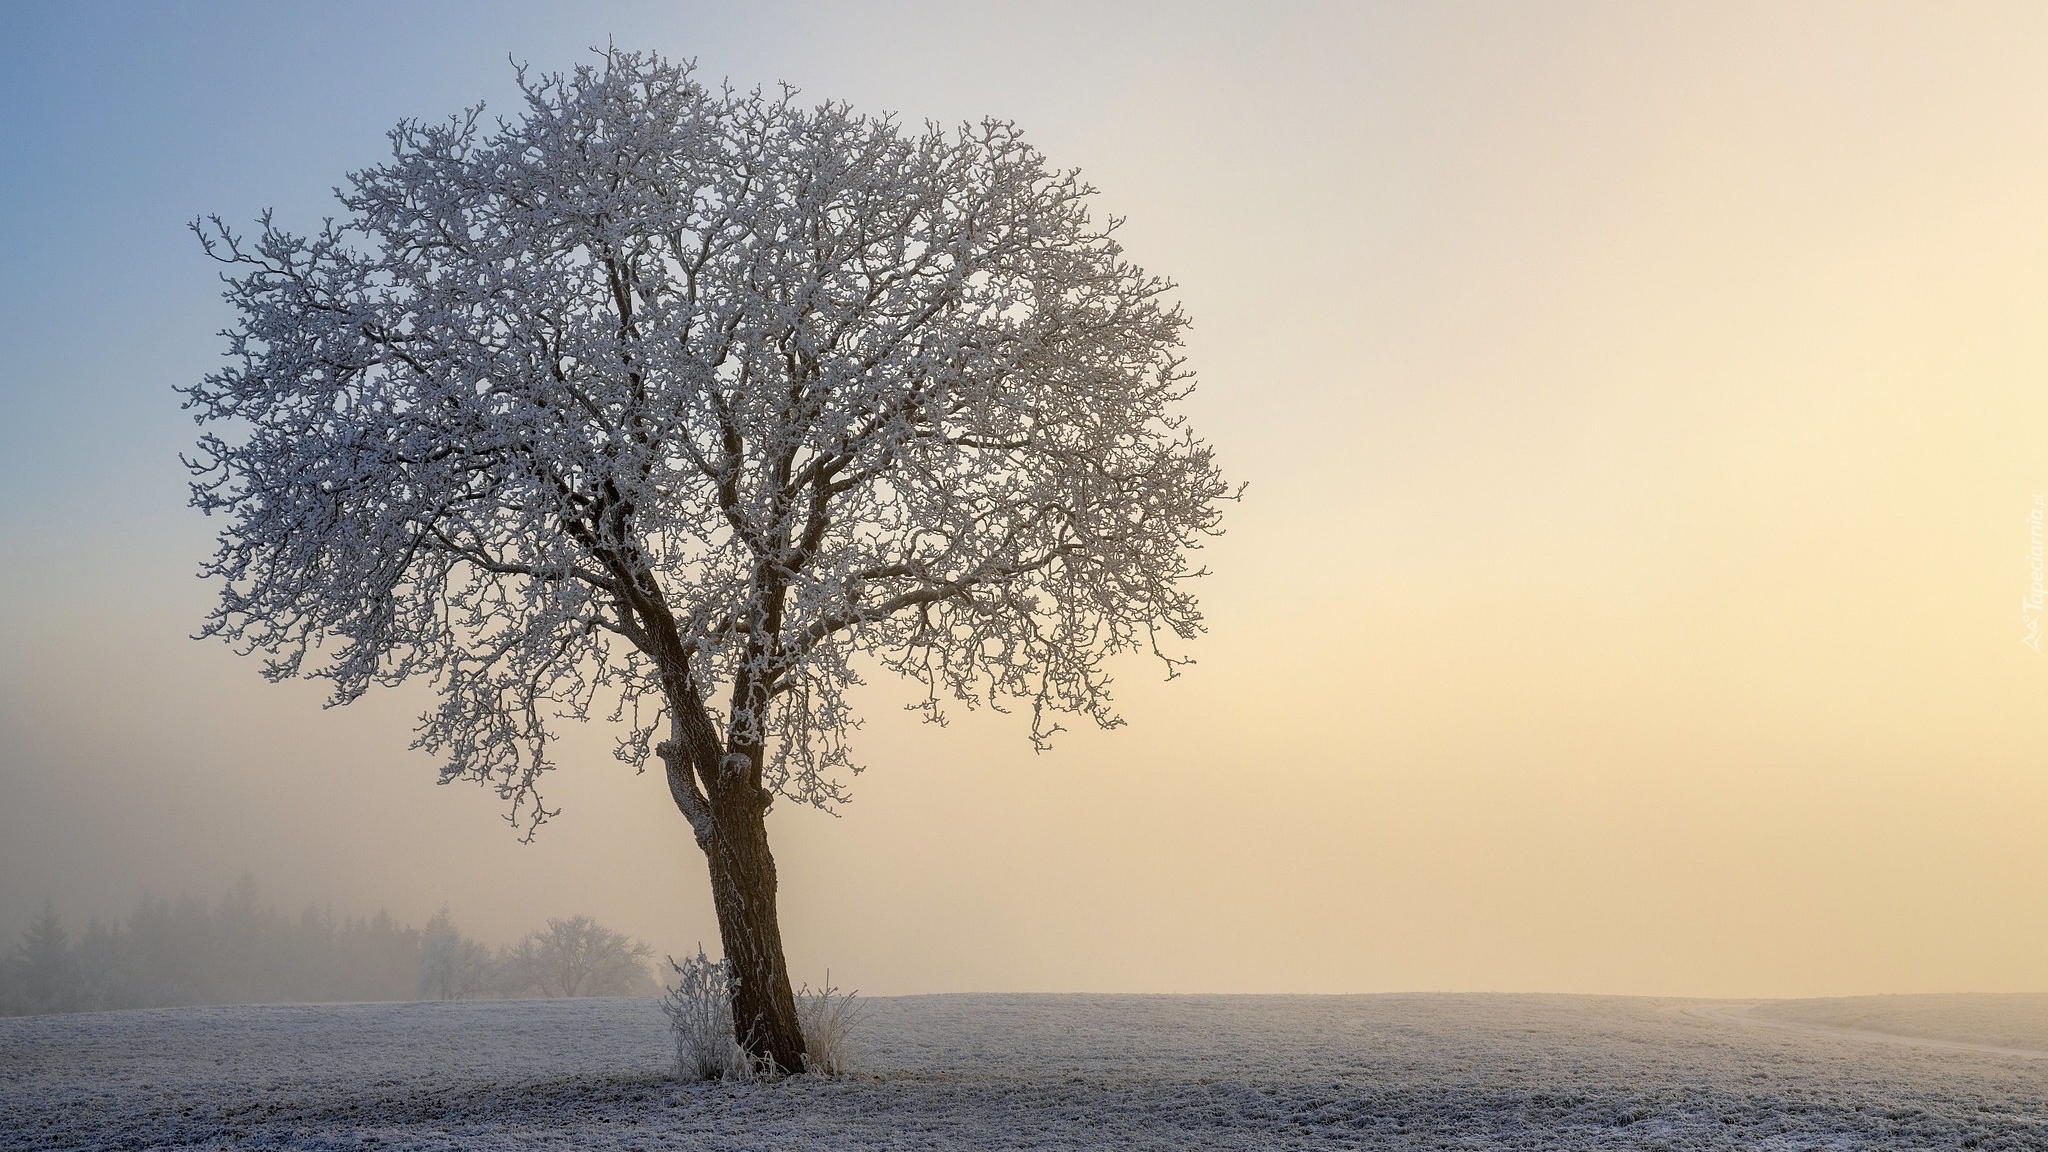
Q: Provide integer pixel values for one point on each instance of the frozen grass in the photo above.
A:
(1407, 1072)
(828, 1017)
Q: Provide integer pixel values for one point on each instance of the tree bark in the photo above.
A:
(718, 789)
(729, 817)
(764, 1017)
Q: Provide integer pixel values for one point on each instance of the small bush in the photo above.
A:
(827, 1017)
(699, 1008)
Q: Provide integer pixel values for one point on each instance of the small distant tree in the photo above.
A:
(45, 972)
(676, 405)
(452, 966)
(578, 957)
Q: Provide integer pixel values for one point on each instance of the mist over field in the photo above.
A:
(240, 949)
(1616, 709)
(1616, 703)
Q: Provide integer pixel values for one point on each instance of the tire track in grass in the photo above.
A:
(1741, 1013)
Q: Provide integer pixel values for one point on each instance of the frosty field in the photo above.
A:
(1467, 1072)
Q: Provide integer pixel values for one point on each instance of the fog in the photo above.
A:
(1641, 409)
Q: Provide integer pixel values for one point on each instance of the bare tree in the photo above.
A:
(577, 957)
(677, 406)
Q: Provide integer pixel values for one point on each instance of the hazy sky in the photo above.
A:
(1642, 406)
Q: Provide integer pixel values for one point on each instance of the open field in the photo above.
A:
(1463, 1072)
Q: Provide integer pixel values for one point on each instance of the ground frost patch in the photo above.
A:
(1408, 1072)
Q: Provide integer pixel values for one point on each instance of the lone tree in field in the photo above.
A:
(678, 406)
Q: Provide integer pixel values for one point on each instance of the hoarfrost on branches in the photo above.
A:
(669, 404)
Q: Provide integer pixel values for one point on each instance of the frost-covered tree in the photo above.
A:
(678, 406)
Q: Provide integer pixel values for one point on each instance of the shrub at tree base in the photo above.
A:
(699, 1008)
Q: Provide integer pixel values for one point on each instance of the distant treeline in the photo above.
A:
(239, 951)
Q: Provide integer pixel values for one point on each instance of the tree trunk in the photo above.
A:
(728, 814)
(743, 891)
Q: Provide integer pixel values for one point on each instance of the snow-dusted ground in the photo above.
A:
(1519, 1072)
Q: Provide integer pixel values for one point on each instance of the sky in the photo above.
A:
(1641, 409)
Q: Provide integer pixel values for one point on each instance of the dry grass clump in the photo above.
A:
(827, 1017)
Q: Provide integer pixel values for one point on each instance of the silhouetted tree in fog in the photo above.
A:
(577, 957)
(452, 966)
(45, 972)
